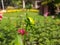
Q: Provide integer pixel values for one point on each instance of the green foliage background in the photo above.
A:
(45, 31)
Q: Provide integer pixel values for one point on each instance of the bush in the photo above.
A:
(28, 6)
(10, 7)
(44, 31)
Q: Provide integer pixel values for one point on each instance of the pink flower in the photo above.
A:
(21, 31)
(46, 14)
(1, 16)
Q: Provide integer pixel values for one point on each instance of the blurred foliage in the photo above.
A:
(48, 1)
(45, 30)
(14, 3)
(18, 3)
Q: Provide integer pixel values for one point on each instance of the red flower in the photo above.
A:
(1, 16)
(21, 31)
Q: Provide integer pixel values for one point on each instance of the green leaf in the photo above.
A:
(19, 40)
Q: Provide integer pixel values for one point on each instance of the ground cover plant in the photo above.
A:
(29, 28)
